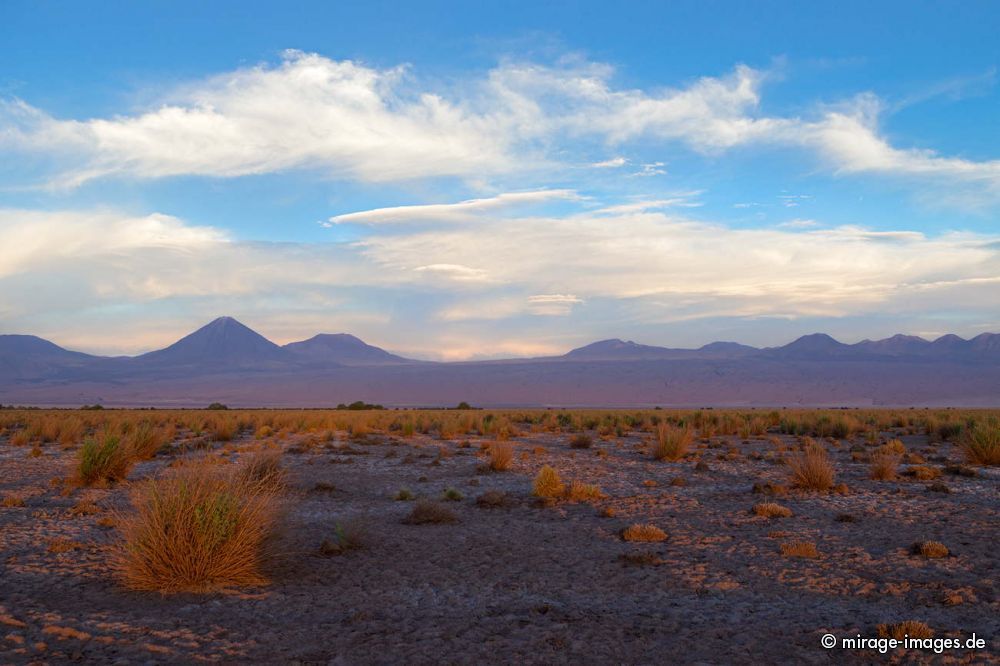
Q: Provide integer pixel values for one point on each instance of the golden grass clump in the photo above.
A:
(547, 483)
(931, 550)
(799, 549)
(580, 492)
(263, 468)
(671, 442)
(771, 510)
(811, 469)
(427, 512)
(144, 440)
(894, 446)
(501, 456)
(981, 443)
(643, 533)
(197, 529)
(884, 464)
(907, 629)
(581, 441)
(103, 459)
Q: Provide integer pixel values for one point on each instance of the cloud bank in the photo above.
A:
(351, 121)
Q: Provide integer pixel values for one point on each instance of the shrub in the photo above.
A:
(196, 530)
(103, 459)
(404, 495)
(981, 443)
(902, 630)
(771, 510)
(547, 483)
(930, 549)
(427, 512)
(811, 469)
(581, 441)
(799, 549)
(883, 465)
(452, 495)
(643, 533)
(671, 442)
(501, 456)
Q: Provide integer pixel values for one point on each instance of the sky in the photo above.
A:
(458, 181)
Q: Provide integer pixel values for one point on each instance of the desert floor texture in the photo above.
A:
(520, 580)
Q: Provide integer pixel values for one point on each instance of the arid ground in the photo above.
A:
(517, 578)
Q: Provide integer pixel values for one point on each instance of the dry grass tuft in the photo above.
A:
(494, 499)
(547, 483)
(263, 469)
(642, 558)
(501, 456)
(771, 510)
(799, 549)
(581, 441)
(103, 459)
(931, 550)
(580, 492)
(923, 472)
(901, 630)
(981, 443)
(197, 529)
(11, 501)
(426, 512)
(643, 533)
(671, 442)
(884, 464)
(812, 469)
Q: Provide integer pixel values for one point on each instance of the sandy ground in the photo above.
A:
(525, 583)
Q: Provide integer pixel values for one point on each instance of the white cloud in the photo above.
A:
(353, 121)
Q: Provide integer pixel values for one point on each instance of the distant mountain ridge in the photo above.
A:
(225, 357)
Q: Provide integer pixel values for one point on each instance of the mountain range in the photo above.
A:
(227, 361)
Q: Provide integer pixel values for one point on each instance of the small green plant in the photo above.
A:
(103, 459)
(404, 495)
(981, 443)
(452, 495)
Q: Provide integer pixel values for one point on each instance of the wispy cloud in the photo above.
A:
(451, 212)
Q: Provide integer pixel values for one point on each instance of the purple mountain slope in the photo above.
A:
(227, 361)
(342, 348)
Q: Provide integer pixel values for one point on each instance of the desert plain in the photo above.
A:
(518, 536)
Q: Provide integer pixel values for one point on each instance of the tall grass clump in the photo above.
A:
(103, 459)
(811, 469)
(501, 456)
(197, 529)
(981, 443)
(263, 469)
(671, 442)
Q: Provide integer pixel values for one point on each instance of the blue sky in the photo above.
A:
(464, 180)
